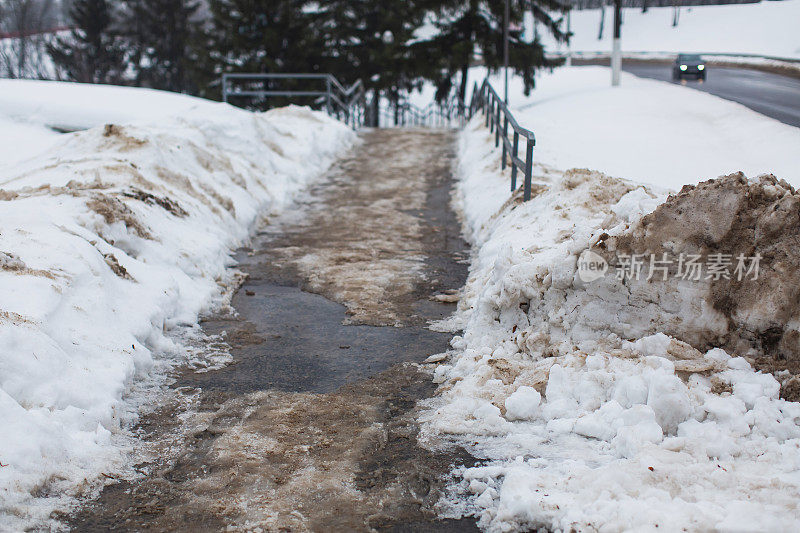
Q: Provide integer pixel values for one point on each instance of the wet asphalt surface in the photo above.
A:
(289, 338)
(773, 95)
(294, 354)
(297, 343)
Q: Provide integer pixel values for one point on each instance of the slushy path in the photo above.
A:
(312, 427)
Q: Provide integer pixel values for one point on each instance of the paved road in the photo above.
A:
(773, 95)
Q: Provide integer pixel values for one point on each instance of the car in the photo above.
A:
(689, 66)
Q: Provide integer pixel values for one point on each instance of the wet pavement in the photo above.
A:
(312, 427)
(772, 94)
(295, 341)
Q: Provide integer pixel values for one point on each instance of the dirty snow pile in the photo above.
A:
(112, 240)
(590, 410)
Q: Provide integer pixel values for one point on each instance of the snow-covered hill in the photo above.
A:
(646, 130)
(766, 28)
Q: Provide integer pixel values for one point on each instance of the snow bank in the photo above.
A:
(721, 29)
(22, 140)
(649, 131)
(76, 106)
(114, 240)
(588, 416)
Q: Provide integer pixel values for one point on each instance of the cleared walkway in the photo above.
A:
(312, 427)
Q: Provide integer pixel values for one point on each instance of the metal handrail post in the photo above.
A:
(528, 170)
(497, 126)
(328, 95)
(514, 152)
(505, 136)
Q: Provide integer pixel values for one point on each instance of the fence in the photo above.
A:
(347, 104)
(496, 111)
(437, 114)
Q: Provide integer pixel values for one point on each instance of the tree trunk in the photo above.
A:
(470, 34)
(374, 111)
(462, 89)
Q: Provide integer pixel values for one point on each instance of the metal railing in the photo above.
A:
(439, 114)
(344, 103)
(498, 117)
(350, 105)
(347, 104)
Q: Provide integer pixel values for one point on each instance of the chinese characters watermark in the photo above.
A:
(660, 267)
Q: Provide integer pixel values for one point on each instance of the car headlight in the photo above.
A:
(701, 67)
(683, 67)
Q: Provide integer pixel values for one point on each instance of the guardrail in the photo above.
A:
(347, 104)
(496, 111)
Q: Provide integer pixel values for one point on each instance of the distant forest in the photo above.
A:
(186, 45)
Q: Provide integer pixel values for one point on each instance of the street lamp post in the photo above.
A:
(505, 50)
(616, 50)
(569, 44)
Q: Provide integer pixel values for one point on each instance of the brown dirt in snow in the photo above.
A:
(11, 263)
(184, 183)
(298, 434)
(14, 318)
(121, 139)
(114, 210)
(113, 263)
(757, 318)
(162, 201)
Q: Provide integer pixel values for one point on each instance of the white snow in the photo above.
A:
(765, 28)
(580, 428)
(649, 131)
(77, 106)
(21, 140)
(112, 240)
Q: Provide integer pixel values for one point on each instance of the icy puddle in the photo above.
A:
(312, 427)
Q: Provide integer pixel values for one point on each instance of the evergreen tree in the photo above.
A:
(265, 36)
(476, 26)
(93, 52)
(163, 36)
(372, 41)
(262, 36)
